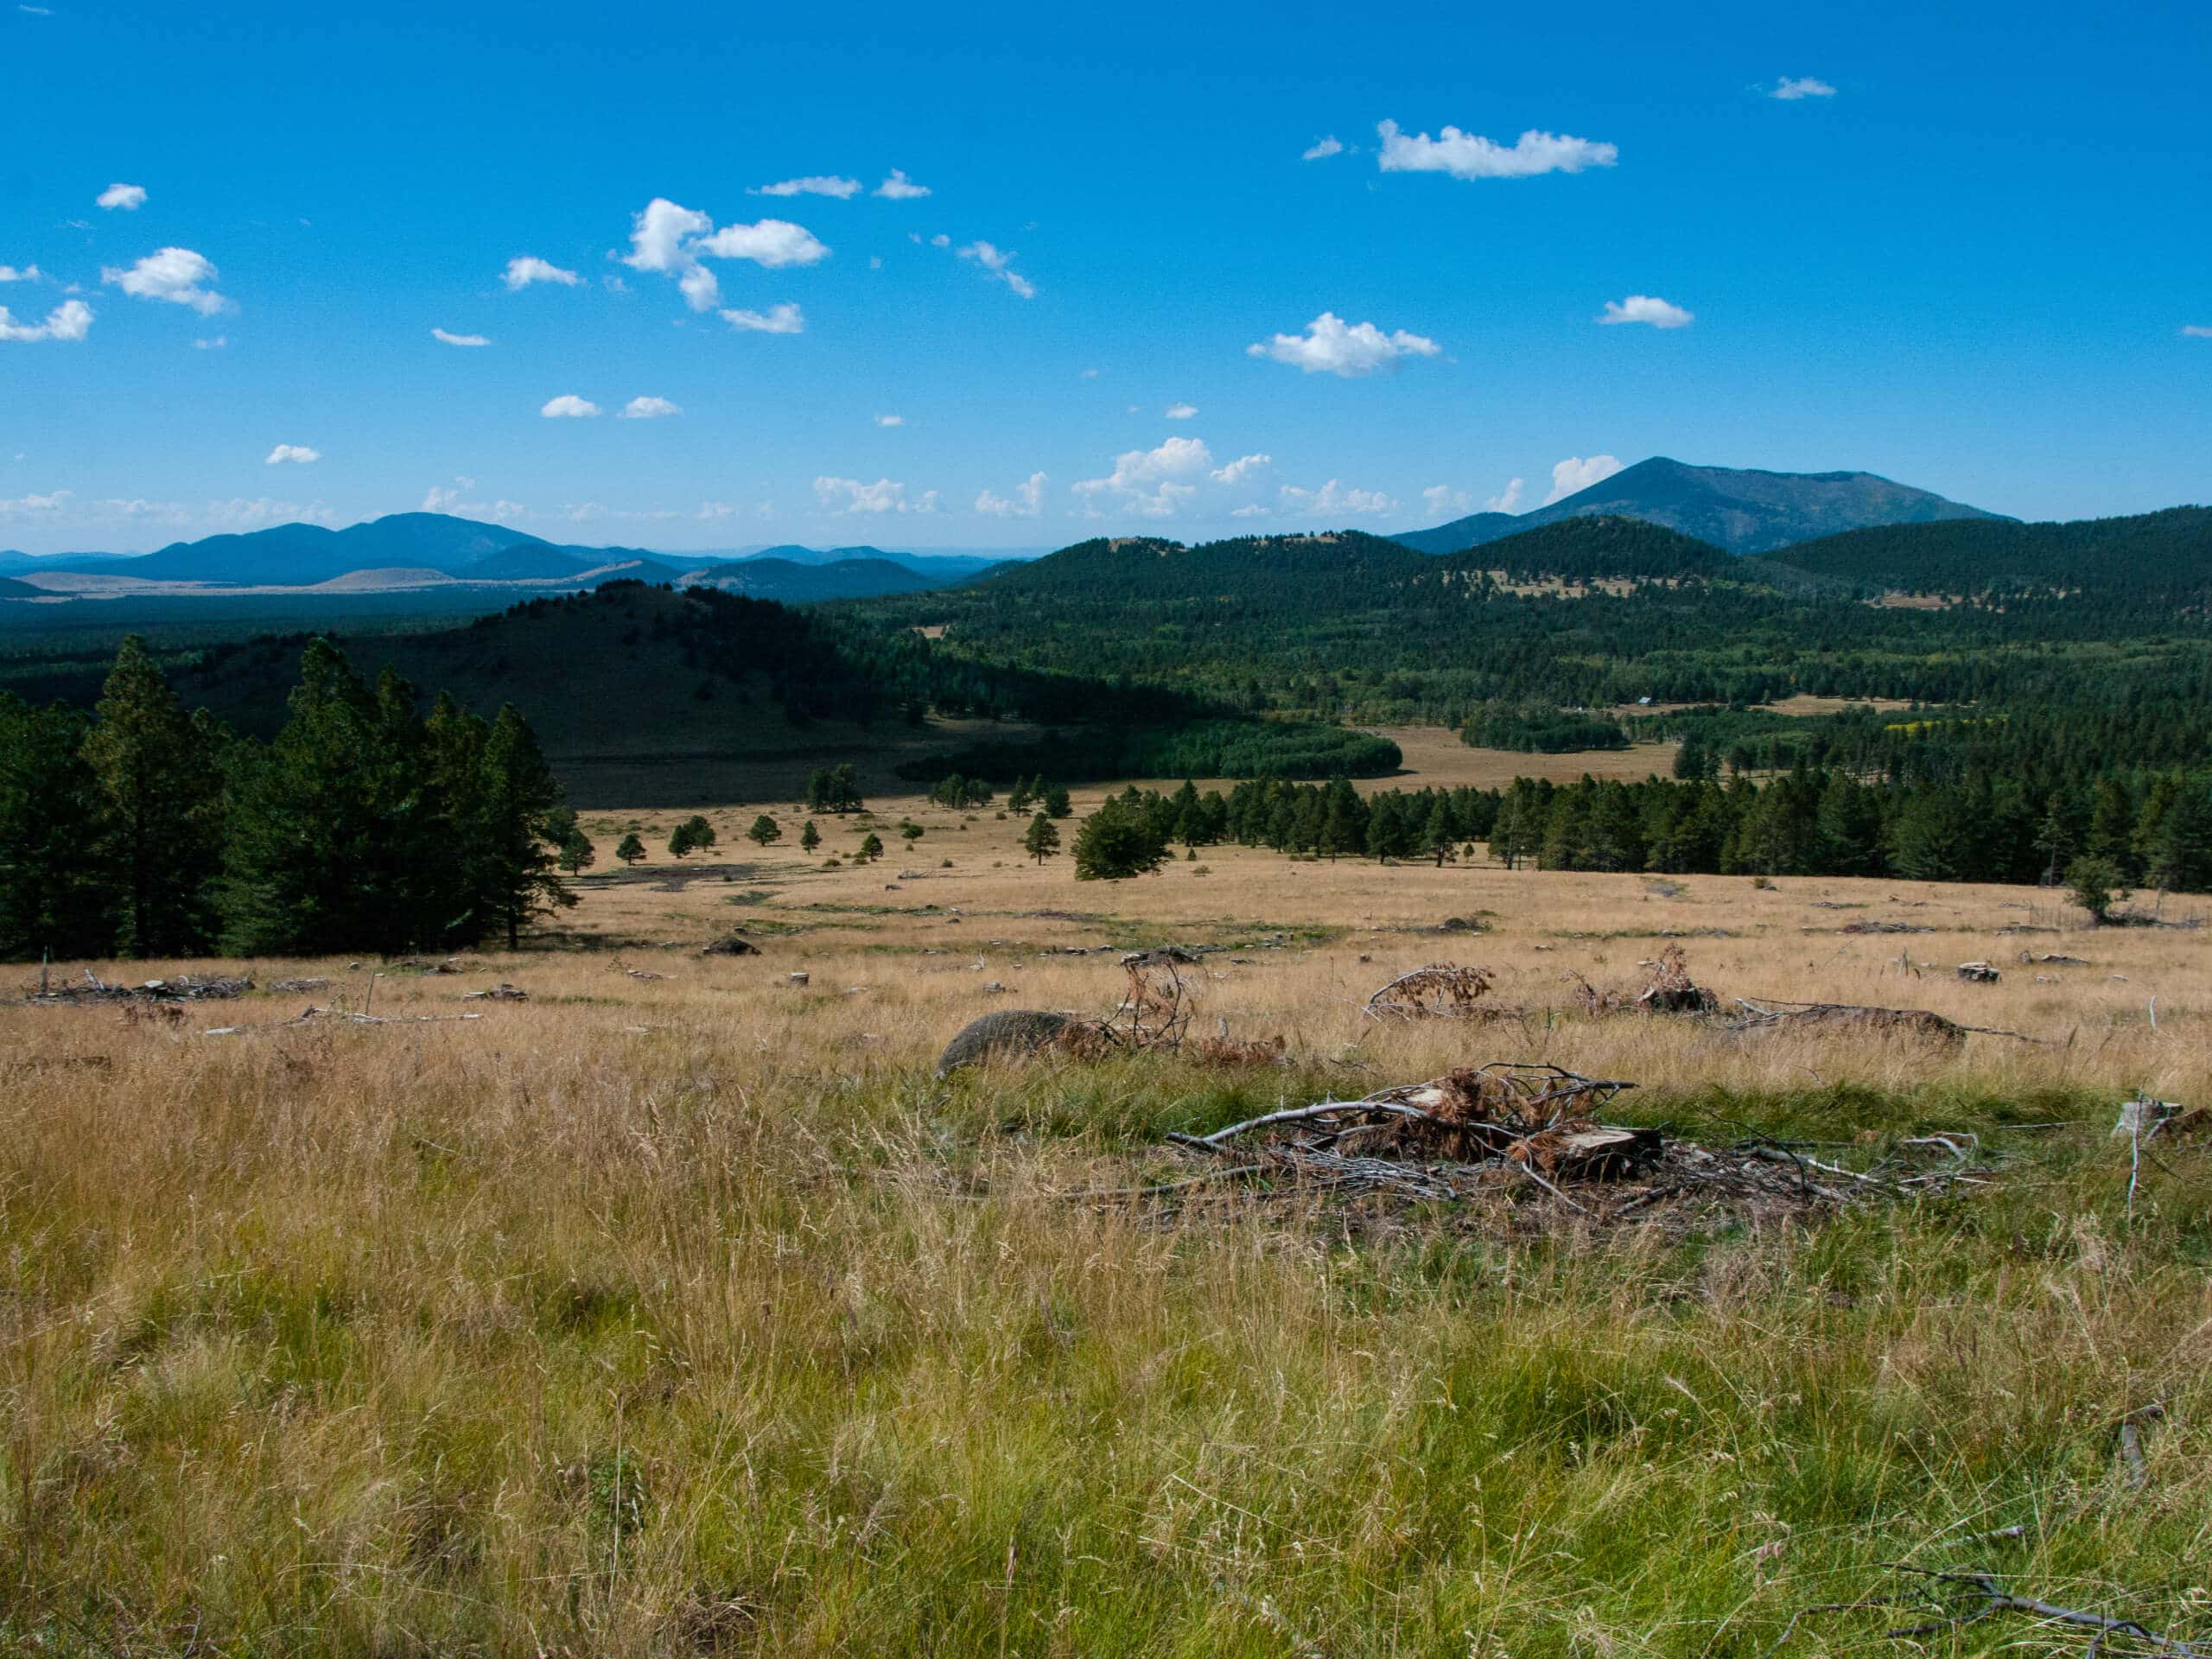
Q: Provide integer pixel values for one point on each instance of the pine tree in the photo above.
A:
(1439, 833)
(519, 792)
(809, 836)
(630, 850)
(1043, 839)
(310, 866)
(53, 897)
(872, 845)
(160, 789)
(764, 831)
(1116, 841)
(1057, 804)
(693, 835)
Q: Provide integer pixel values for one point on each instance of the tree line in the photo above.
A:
(140, 829)
(2152, 831)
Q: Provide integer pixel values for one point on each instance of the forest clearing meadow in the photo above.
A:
(682, 1309)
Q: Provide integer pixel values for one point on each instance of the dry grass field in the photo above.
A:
(693, 1313)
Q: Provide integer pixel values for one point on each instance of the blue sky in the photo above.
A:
(1968, 255)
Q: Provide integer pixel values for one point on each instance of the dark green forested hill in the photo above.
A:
(1588, 612)
(2105, 560)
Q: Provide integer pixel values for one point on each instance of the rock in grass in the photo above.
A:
(731, 945)
(1010, 1033)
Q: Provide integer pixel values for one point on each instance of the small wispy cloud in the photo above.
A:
(999, 263)
(128, 197)
(19, 274)
(1179, 412)
(1330, 346)
(1469, 155)
(785, 319)
(1028, 500)
(891, 420)
(569, 407)
(1647, 309)
(1335, 498)
(2197, 331)
(815, 184)
(648, 409)
(1321, 149)
(529, 268)
(178, 276)
(899, 187)
(298, 453)
(1241, 468)
(1790, 88)
(841, 496)
(460, 339)
(1509, 501)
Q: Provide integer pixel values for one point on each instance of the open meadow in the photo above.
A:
(682, 1308)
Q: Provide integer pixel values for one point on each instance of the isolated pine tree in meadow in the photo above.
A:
(809, 836)
(1042, 839)
(160, 790)
(630, 850)
(1057, 804)
(872, 845)
(764, 830)
(695, 834)
(573, 848)
(1116, 841)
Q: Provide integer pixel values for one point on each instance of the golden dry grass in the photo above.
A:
(695, 1315)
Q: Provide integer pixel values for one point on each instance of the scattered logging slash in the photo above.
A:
(343, 1016)
(185, 988)
(1486, 1130)
(1950, 1601)
(1440, 991)
(1768, 1014)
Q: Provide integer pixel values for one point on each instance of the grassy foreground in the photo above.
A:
(695, 1315)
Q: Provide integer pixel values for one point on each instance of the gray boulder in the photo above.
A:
(1009, 1033)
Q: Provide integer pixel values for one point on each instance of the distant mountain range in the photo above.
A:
(1735, 508)
(406, 552)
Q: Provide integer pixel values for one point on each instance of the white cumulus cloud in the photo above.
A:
(673, 239)
(1180, 411)
(128, 197)
(71, 320)
(1027, 502)
(23, 506)
(1509, 501)
(899, 187)
(19, 273)
(529, 268)
(1240, 469)
(177, 275)
(1323, 149)
(1329, 345)
(1469, 155)
(293, 452)
(1575, 473)
(773, 244)
(1334, 497)
(1790, 88)
(1151, 482)
(458, 339)
(814, 184)
(1443, 501)
(1647, 308)
(569, 407)
(841, 496)
(785, 319)
(648, 409)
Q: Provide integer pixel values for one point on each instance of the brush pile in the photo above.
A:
(1493, 1134)
(1440, 991)
(185, 988)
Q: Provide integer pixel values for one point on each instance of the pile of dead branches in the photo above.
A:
(1938, 1604)
(1672, 991)
(1442, 990)
(1770, 1015)
(185, 988)
(1484, 1133)
(1154, 1015)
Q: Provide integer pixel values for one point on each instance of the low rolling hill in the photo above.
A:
(2148, 552)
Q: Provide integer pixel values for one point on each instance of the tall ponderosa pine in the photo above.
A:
(520, 793)
(55, 898)
(160, 790)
